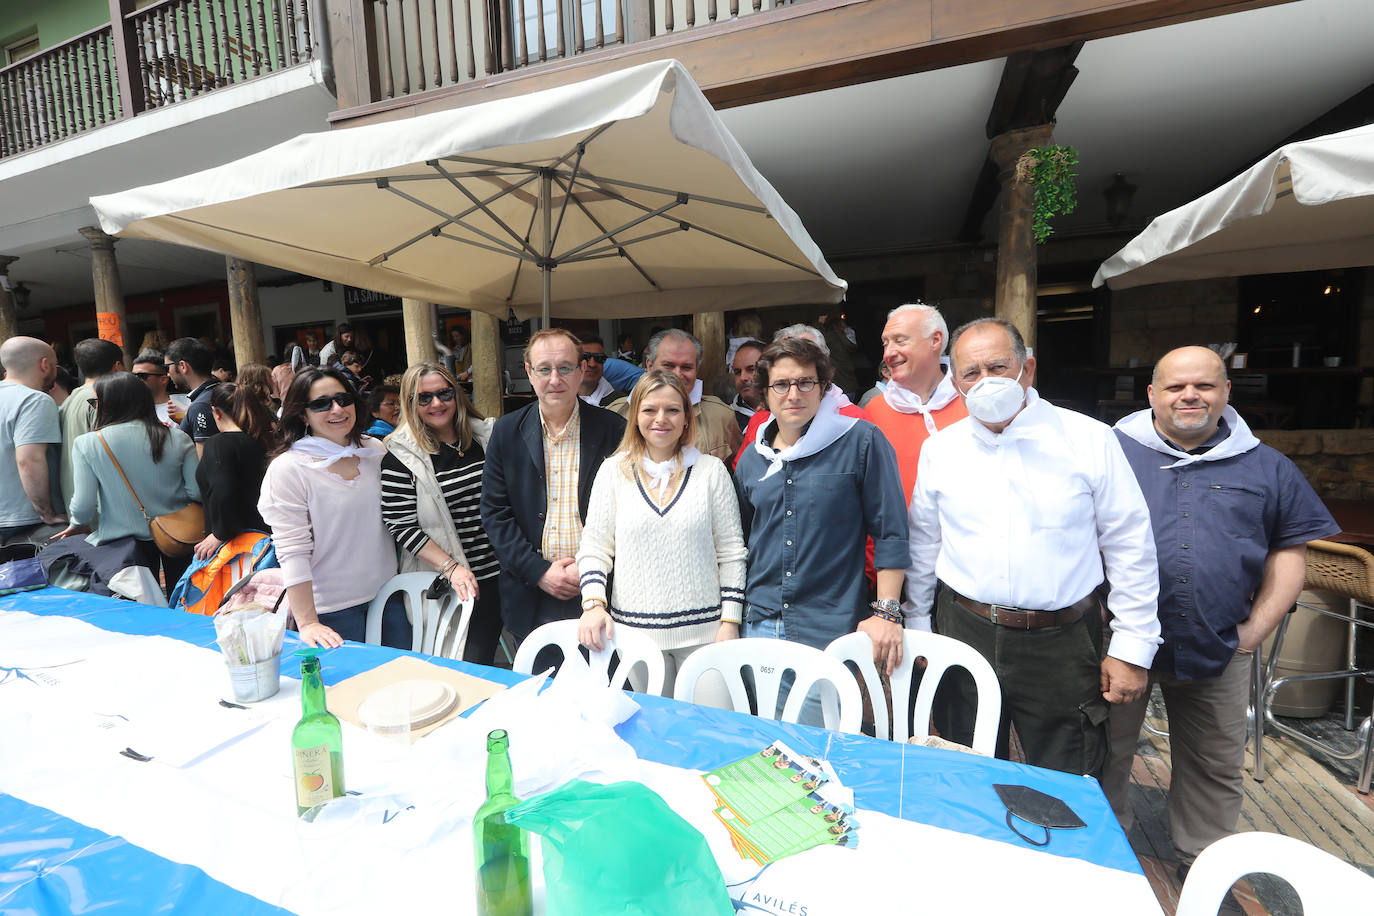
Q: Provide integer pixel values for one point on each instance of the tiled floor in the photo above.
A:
(1303, 795)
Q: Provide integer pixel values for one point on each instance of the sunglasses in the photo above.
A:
(342, 398)
(594, 357)
(424, 398)
(144, 376)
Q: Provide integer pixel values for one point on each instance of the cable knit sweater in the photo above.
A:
(679, 568)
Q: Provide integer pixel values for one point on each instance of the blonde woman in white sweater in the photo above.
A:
(666, 519)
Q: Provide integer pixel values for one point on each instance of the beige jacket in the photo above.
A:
(717, 432)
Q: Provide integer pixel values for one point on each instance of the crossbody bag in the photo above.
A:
(176, 533)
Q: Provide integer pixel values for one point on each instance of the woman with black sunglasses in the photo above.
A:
(431, 492)
(321, 496)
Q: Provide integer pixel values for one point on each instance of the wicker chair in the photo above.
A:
(1348, 571)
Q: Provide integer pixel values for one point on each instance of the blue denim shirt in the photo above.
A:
(807, 526)
(1214, 523)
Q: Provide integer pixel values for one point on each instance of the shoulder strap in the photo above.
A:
(115, 461)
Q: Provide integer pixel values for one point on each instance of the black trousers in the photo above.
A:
(1051, 689)
(484, 629)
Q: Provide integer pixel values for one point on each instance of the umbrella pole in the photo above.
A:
(546, 269)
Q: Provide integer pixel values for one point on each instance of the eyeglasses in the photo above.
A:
(342, 398)
(147, 375)
(781, 387)
(546, 371)
(424, 398)
(594, 357)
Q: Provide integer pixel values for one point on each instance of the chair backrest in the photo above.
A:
(431, 620)
(768, 659)
(1326, 885)
(1342, 568)
(941, 653)
(633, 648)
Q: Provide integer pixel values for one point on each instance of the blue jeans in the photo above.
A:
(773, 628)
(351, 623)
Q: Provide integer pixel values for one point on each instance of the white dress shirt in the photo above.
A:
(1027, 517)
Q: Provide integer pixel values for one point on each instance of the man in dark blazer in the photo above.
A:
(537, 459)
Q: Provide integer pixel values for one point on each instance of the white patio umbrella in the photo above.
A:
(1306, 206)
(622, 195)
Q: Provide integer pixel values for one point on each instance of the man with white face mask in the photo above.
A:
(1016, 510)
(1232, 519)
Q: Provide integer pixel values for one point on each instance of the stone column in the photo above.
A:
(245, 317)
(1016, 254)
(419, 319)
(110, 320)
(487, 363)
(709, 328)
(9, 321)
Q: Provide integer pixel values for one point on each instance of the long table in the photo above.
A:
(52, 861)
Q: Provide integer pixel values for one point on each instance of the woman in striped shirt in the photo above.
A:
(431, 490)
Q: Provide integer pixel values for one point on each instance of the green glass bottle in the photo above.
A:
(502, 850)
(316, 743)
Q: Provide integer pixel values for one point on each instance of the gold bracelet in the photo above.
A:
(594, 602)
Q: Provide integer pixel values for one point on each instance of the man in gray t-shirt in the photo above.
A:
(30, 503)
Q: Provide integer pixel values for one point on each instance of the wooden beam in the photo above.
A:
(126, 59)
(419, 325)
(245, 315)
(1033, 85)
(487, 389)
(110, 319)
(9, 320)
(823, 44)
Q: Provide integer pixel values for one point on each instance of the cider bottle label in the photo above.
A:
(314, 776)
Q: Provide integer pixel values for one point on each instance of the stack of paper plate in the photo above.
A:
(427, 701)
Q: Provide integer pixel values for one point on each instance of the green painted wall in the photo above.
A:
(56, 20)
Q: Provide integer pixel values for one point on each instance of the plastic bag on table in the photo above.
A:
(619, 849)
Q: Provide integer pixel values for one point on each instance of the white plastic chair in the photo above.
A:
(768, 659)
(941, 653)
(634, 648)
(430, 620)
(1327, 885)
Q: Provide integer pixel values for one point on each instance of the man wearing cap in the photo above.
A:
(1019, 510)
(1231, 519)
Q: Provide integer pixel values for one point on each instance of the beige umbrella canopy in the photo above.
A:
(622, 195)
(1306, 206)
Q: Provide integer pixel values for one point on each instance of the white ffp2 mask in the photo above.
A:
(995, 399)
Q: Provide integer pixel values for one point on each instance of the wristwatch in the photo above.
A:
(889, 609)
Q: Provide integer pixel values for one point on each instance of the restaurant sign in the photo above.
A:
(366, 302)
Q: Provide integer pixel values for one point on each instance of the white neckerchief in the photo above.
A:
(1140, 426)
(696, 392)
(659, 473)
(742, 408)
(827, 426)
(904, 400)
(602, 389)
(326, 452)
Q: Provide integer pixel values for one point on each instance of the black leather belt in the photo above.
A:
(1020, 619)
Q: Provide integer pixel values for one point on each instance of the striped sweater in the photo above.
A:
(679, 568)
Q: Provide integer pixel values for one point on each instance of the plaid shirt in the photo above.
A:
(563, 526)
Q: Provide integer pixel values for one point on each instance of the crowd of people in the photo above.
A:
(1085, 563)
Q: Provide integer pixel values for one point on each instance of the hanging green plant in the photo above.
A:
(1050, 169)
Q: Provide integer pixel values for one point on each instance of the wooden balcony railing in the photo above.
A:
(165, 53)
(59, 92)
(186, 48)
(429, 44)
